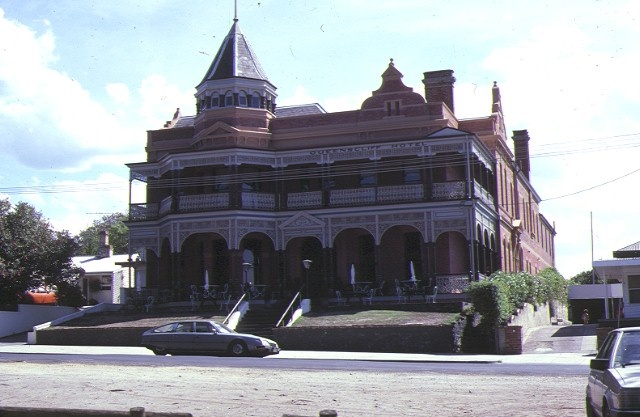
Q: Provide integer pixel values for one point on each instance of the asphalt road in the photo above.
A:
(548, 380)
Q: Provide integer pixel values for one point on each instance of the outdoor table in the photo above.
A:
(209, 294)
(257, 291)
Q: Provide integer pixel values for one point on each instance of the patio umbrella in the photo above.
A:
(353, 274)
(413, 271)
(206, 280)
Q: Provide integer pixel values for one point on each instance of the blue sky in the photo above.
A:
(82, 81)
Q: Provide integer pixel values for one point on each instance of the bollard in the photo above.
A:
(136, 412)
(328, 413)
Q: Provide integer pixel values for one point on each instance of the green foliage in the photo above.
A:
(555, 287)
(585, 277)
(499, 296)
(32, 254)
(491, 299)
(89, 238)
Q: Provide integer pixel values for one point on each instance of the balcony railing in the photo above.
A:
(452, 190)
(353, 197)
(258, 201)
(395, 193)
(138, 212)
(307, 199)
(452, 284)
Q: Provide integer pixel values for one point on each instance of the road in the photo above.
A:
(211, 386)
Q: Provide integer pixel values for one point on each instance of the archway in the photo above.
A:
(354, 247)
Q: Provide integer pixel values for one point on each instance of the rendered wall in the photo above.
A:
(27, 316)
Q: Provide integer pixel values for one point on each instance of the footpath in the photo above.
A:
(571, 345)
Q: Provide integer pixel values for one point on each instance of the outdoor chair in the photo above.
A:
(339, 299)
(194, 292)
(380, 289)
(148, 304)
(368, 299)
(432, 297)
(225, 303)
(402, 297)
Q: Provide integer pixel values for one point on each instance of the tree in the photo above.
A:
(118, 235)
(585, 277)
(32, 254)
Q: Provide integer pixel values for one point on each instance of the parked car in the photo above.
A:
(614, 380)
(206, 338)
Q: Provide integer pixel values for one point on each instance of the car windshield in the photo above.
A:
(628, 351)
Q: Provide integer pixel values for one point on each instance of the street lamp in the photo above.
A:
(307, 264)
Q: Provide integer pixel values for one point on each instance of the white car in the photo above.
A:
(614, 380)
(205, 337)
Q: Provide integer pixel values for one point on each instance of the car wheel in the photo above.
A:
(237, 348)
(160, 351)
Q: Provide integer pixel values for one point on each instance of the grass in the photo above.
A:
(374, 318)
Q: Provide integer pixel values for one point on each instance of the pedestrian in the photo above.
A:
(585, 316)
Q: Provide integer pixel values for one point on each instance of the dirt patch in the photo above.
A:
(245, 391)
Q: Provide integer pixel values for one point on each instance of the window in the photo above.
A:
(203, 327)
(228, 99)
(215, 101)
(634, 289)
(607, 346)
(367, 179)
(411, 175)
(393, 108)
(184, 327)
(255, 101)
(105, 282)
(242, 99)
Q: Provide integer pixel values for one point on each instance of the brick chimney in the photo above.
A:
(521, 148)
(104, 249)
(438, 86)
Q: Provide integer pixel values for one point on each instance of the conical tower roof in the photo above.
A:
(235, 59)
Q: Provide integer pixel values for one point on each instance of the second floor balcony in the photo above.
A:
(307, 200)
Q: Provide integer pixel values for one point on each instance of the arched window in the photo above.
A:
(228, 99)
(242, 99)
(215, 99)
(255, 100)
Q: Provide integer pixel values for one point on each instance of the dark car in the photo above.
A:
(205, 337)
(614, 380)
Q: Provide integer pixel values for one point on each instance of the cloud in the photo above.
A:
(119, 92)
(49, 121)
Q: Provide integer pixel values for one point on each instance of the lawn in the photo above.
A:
(373, 318)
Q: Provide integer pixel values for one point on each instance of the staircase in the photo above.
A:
(260, 319)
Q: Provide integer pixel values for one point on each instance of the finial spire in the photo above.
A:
(235, 10)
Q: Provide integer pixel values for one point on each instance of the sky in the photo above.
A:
(81, 82)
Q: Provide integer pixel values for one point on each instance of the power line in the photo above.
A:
(336, 169)
(594, 187)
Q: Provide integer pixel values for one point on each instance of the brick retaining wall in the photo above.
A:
(90, 336)
(398, 339)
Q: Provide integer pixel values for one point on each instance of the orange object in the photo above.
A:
(31, 297)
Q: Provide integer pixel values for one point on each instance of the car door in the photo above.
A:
(596, 384)
(182, 337)
(207, 339)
